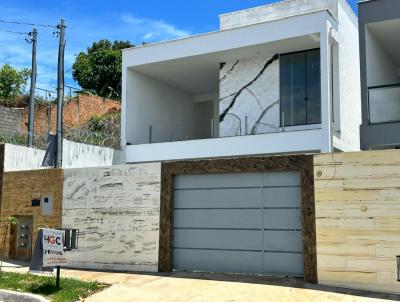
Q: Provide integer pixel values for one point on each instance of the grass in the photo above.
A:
(70, 289)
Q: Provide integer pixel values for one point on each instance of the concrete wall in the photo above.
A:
(279, 10)
(116, 210)
(75, 155)
(19, 188)
(259, 102)
(167, 109)
(349, 79)
(357, 219)
(370, 12)
(381, 70)
(301, 141)
(19, 158)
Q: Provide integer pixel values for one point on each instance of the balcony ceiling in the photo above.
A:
(387, 34)
(200, 74)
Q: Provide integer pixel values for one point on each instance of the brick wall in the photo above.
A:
(19, 188)
(76, 112)
(2, 148)
(10, 119)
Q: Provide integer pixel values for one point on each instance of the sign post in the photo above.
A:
(49, 252)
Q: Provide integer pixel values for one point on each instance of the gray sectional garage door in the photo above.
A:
(239, 223)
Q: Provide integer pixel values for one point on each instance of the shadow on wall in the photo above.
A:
(75, 155)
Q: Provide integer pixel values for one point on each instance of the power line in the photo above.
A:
(25, 23)
(14, 32)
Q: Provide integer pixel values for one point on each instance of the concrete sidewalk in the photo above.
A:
(197, 287)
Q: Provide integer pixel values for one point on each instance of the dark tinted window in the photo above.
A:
(300, 86)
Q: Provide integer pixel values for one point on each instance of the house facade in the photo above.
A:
(280, 78)
(379, 24)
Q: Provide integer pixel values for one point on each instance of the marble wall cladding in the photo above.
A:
(117, 211)
(249, 88)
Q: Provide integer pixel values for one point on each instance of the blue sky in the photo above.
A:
(90, 20)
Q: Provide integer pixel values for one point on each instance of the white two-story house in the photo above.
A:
(280, 78)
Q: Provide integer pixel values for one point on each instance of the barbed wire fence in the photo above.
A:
(98, 131)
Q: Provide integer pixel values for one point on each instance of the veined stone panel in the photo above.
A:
(249, 88)
(117, 212)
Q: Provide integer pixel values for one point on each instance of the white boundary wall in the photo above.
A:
(75, 155)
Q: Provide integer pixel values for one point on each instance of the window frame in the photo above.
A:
(280, 89)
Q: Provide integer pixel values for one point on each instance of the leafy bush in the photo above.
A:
(12, 82)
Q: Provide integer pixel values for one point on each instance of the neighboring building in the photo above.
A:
(379, 27)
(280, 78)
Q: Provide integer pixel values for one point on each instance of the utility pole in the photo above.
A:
(60, 92)
(31, 117)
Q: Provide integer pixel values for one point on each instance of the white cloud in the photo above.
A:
(154, 30)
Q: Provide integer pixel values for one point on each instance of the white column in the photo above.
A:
(326, 103)
(123, 111)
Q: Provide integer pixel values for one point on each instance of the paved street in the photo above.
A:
(187, 287)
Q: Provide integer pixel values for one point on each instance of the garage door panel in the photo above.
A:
(283, 264)
(218, 261)
(218, 198)
(282, 197)
(284, 179)
(239, 223)
(283, 241)
(282, 219)
(212, 181)
(218, 239)
(218, 218)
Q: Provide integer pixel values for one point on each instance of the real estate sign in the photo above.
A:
(53, 248)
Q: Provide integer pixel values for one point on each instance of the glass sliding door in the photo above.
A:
(300, 88)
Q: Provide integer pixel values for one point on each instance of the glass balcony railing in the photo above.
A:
(384, 104)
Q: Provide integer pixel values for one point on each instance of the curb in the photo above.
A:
(11, 296)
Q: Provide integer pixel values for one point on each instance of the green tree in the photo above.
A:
(12, 82)
(99, 69)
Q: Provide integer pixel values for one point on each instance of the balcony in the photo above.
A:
(384, 104)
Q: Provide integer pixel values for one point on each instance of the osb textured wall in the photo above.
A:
(117, 211)
(19, 188)
(358, 219)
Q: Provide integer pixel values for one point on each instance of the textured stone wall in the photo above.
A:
(249, 88)
(357, 203)
(117, 211)
(10, 120)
